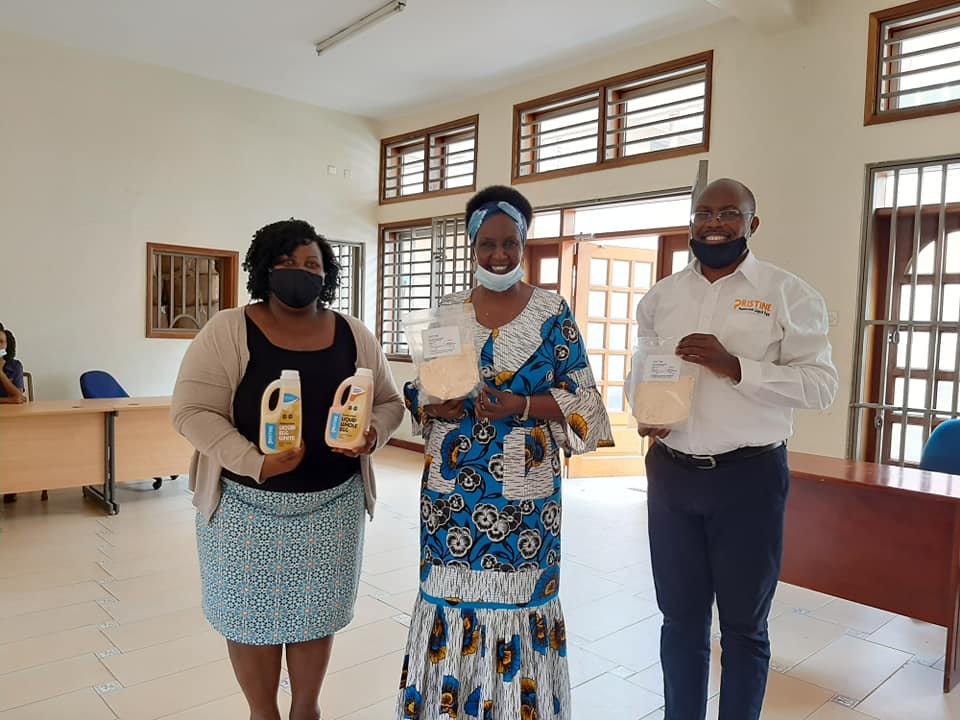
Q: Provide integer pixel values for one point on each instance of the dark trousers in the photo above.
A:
(715, 533)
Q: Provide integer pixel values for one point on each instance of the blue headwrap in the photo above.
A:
(489, 210)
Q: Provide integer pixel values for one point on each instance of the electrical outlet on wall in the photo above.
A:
(832, 317)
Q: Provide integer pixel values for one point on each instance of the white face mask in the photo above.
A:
(497, 282)
(3, 352)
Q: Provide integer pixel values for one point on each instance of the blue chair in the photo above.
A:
(97, 384)
(100, 385)
(942, 451)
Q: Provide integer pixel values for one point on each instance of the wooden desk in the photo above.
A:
(92, 444)
(145, 443)
(59, 444)
(879, 535)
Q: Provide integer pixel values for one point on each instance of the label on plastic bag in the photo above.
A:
(661, 368)
(440, 342)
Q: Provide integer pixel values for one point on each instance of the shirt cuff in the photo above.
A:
(750, 374)
(251, 465)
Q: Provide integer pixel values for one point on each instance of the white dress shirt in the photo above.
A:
(775, 323)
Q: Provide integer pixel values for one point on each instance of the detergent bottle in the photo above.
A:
(350, 413)
(281, 427)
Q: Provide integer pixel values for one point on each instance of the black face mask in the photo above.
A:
(719, 256)
(296, 288)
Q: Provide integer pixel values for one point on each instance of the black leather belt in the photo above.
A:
(709, 462)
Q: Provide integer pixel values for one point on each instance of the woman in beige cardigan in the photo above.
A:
(280, 536)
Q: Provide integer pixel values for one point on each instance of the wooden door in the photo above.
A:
(674, 253)
(611, 280)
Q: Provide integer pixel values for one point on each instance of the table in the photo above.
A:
(879, 535)
(91, 444)
(145, 443)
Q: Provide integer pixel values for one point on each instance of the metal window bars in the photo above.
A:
(350, 257)
(907, 353)
(186, 288)
(420, 264)
(919, 60)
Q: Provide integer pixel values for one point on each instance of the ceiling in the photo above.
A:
(434, 51)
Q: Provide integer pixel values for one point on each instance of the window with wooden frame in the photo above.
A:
(908, 360)
(186, 286)
(434, 161)
(913, 63)
(350, 257)
(651, 114)
(420, 262)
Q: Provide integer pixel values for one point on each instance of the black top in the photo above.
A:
(321, 372)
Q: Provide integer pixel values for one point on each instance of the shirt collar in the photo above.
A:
(749, 268)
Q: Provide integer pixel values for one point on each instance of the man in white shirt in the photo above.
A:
(717, 485)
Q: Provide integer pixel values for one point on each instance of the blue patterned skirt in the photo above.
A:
(280, 567)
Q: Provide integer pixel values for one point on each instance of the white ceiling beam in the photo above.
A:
(770, 15)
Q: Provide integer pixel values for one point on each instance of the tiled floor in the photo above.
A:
(100, 619)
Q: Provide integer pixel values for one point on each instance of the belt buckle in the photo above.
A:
(711, 462)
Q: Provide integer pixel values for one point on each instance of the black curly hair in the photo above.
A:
(498, 193)
(277, 240)
(11, 344)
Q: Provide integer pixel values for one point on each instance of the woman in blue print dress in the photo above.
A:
(487, 638)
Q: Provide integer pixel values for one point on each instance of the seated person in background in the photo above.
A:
(11, 379)
(11, 371)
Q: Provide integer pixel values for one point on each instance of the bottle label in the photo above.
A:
(270, 436)
(287, 433)
(345, 426)
(350, 426)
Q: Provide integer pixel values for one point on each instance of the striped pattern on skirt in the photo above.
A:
(487, 645)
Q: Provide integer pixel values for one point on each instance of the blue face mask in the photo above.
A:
(497, 282)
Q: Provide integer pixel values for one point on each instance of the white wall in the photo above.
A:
(100, 156)
(787, 120)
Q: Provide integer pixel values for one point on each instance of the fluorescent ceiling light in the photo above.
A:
(394, 6)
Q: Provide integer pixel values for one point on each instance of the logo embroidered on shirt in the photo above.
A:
(758, 307)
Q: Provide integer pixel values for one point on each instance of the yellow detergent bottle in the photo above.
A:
(281, 427)
(349, 416)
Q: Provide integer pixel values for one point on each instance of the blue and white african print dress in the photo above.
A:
(487, 637)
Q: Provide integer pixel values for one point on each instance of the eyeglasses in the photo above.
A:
(729, 217)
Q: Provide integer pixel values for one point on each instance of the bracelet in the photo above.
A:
(526, 410)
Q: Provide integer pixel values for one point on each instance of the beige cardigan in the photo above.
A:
(202, 408)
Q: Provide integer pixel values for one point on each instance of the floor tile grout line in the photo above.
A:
(194, 707)
(58, 695)
(165, 674)
(44, 634)
(885, 681)
(26, 668)
(11, 616)
(106, 705)
(139, 685)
